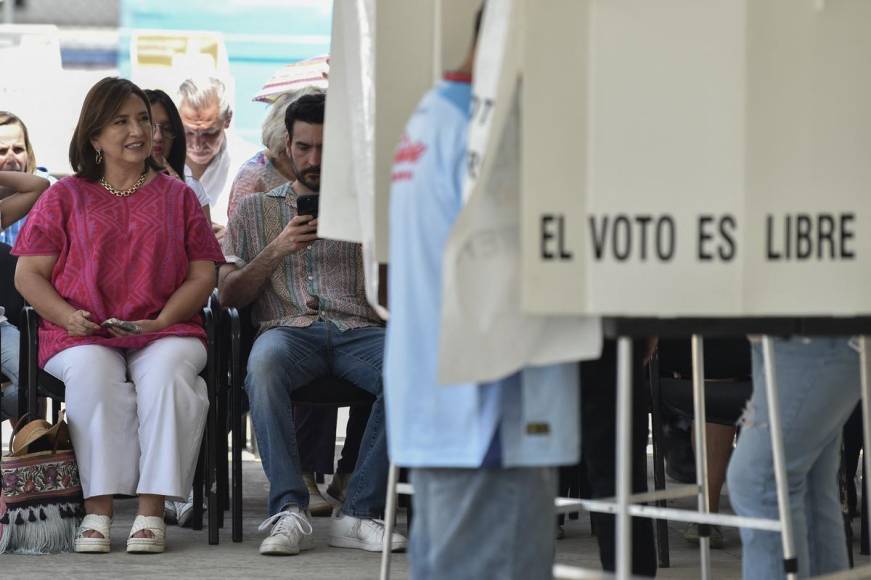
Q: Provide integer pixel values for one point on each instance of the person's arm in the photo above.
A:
(184, 303)
(33, 282)
(28, 188)
(208, 213)
(239, 287)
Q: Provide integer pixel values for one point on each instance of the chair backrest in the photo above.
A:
(10, 299)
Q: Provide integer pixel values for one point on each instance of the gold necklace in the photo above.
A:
(124, 192)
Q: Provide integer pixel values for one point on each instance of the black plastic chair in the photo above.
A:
(326, 391)
(40, 383)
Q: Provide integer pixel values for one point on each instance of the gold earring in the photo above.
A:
(99, 156)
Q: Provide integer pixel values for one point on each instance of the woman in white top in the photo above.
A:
(168, 144)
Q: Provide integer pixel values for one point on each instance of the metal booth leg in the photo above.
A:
(790, 562)
(700, 425)
(389, 520)
(623, 529)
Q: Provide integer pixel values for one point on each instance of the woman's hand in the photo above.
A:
(142, 327)
(79, 324)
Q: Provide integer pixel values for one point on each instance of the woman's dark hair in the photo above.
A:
(308, 109)
(101, 105)
(178, 153)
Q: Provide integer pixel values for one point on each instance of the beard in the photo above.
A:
(311, 177)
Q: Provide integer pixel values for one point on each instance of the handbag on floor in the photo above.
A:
(41, 502)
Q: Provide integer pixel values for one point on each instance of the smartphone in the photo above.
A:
(121, 324)
(307, 205)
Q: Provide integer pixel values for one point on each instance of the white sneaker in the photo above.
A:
(362, 534)
(291, 533)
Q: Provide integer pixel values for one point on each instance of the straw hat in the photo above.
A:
(53, 437)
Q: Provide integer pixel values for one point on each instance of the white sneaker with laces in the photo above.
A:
(362, 534)
(291, 533)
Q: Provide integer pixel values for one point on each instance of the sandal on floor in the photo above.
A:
(153, 545)
(93, 523)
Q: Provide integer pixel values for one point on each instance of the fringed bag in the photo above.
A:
(41, 504)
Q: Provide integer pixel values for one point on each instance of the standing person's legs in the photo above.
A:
(9, 357)
(818, 383)
(598, 440)
(483, 523)
(357, 357)
(101, 412)
(827, 550)
(281, 360)
(172, 402)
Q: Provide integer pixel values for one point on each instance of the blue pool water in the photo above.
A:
(260, 36)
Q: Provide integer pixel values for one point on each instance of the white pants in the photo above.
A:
(136, 417)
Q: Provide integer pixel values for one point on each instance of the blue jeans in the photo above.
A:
(284, 359)
(818, 381)
(9, 348)
(483, 523)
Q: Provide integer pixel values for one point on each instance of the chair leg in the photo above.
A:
(239, 435)
(199, 478)
(223, 461)
(389, 520)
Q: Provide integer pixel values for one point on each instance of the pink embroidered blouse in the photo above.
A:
(119, 257)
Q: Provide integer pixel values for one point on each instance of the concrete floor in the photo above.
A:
(189, 555)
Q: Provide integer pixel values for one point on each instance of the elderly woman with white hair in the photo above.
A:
(271, 166)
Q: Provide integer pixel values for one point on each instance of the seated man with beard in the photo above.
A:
(310, 306)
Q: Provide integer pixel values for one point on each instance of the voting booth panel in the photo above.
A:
(707, 163)
(385, 54)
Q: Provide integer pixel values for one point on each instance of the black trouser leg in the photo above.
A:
(358, 417)
(598, 424)
(316, 437)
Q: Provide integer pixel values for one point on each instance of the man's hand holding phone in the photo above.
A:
(297, 235)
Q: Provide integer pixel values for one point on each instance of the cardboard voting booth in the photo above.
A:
(702, 159)
(385, 55)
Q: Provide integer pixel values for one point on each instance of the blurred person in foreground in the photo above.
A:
(169, 147)
(119, 293)
(21, 184)
(482, 456)
(309, 302)
(214, 153)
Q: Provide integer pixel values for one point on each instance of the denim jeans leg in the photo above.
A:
(9, 341)
(818, 383)
(281, 360)
(483, 523)
(357, 358)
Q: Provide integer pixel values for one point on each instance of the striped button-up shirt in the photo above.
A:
(323, 282)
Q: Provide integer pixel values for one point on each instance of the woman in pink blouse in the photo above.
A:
(118, 260)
